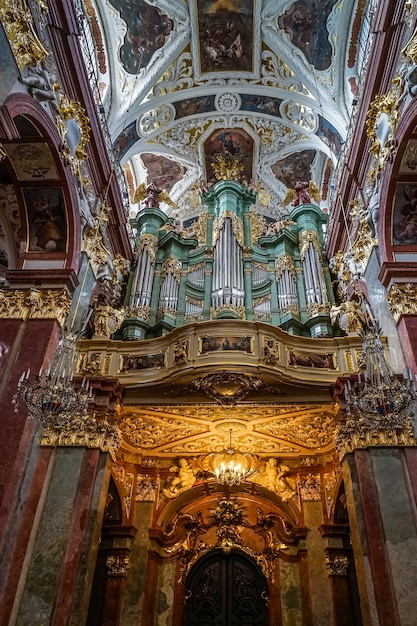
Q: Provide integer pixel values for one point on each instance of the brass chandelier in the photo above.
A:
(378, 398)
(52, 394)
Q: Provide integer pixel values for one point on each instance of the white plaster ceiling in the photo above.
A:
(173, 73)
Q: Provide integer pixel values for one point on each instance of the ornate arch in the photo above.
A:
(49, 250)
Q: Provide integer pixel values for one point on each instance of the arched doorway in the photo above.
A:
(226, 589)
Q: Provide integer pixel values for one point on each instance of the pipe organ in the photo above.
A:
(278, 276)
(311, 258)
(141, 290)
(228, 287)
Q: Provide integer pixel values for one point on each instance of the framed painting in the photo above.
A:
(404, 222)
(227, 38)
(46, 219)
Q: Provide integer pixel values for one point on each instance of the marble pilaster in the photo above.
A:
(56, 578)
(384, 536)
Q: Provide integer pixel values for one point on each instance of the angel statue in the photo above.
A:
(349, 316)
(152, 196)
(302, 194)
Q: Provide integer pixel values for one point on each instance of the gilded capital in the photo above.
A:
(337, 565)
(353, 434)
(34, 304)
(117, 565)
(402, 300)
(69, 430)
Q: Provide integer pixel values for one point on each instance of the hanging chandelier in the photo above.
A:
(232, 467)
(378, 399)
(52, 393)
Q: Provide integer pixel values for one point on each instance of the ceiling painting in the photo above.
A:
(147, 29)
(194, 106)
(164, 172)
(329, 135)
(225, 35)
(229, 143)
(127, 138)
(294, 167)
(268, 76)
(261, 104)
(306, 24)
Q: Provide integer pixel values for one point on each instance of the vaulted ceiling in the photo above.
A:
(272, 81)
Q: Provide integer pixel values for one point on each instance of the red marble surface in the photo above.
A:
(377, 553)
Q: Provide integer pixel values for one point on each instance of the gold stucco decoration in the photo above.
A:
(275, 477)
(17, 21)
(227, 167)
(282, 263)
(381, 123)
(107, 320)
(229, 518)
(150, 243)
(237, 226)
(73, 126)
(34, 304)
(257, 226)
(70, 430)
(307, 238)
(402, 300)
(172, 266)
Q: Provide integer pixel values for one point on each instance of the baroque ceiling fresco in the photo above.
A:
(271, 82)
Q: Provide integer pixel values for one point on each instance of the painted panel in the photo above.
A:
(227, 39)
(46, 216)
(306, 24)
(405, 215)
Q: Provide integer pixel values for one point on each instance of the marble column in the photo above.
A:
(381, 490)
(56, 577)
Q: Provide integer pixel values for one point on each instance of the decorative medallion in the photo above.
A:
(227, 102)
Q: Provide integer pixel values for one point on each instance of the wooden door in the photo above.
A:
(226, 590)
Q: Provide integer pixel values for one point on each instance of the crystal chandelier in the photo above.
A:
(52, 393)
(378, 398)
(231, 467)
